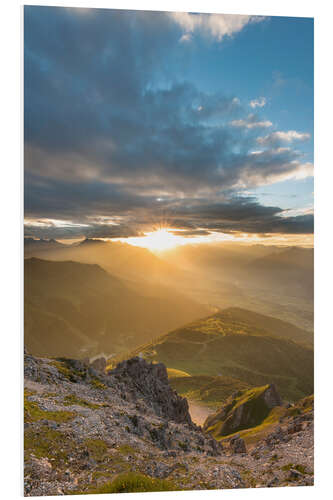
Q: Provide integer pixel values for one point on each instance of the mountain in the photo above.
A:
(227, 256)
(285, 266)
(272, 326)
(256, 277)
(243, 410)
(32, 246)
(80, 309)
(221, 345)
(96, 426)
(87, 431)
(272, 280)
(291, 257)
(120, 259)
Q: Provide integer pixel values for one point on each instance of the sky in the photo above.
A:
(201, 124)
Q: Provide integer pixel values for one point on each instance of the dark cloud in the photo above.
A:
(51, 230)
(107, 133)
(240, 214)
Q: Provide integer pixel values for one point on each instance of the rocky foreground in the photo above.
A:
(90, 432)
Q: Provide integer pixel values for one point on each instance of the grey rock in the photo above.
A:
(99, 364)
(237, 444)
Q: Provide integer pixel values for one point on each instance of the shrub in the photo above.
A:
(132, 482)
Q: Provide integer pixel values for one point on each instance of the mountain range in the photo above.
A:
(79, 309)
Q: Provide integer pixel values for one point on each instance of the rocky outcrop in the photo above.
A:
(243, 410)
(99, 364)
(272, 397)
(150, 381)
(237, 444)
(84, 428)
(76, 414)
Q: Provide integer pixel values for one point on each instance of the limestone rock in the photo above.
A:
(150, 381)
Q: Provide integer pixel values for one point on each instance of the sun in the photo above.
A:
(159, 240)
(164, 239)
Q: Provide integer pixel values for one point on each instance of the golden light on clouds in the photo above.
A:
(163, 239)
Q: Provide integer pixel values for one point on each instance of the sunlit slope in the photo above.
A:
(120, 259)
(208, 389)
(274, 281)
(266, 324)
(80, 309)
(221, 345)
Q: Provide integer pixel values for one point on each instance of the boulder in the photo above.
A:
(237, 444)
(99, 364)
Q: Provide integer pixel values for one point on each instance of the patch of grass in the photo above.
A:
(28, 392)
(173, 373)
(48, 443)
(248, 478)
(101, 474)
(207, 388)
(33, 413)
(253, 405)
(125, 449)
(305, 405)
(50, 395)
(259, 432)
(64, 370)
(97, 448)
(298, 467)
(183, 446)
(132, 482)
(98, 384)
(72, 399)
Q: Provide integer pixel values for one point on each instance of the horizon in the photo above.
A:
(219, 147)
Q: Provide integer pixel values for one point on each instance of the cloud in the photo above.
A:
(251, 121)
(196, 218)
(258, 103)
(186, 38)
(216, 26)
(106, 135)
(279, 137)
(239, 214)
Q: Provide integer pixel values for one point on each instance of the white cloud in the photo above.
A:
(293, 170)
(279, 136)
(215, 25)
(251, 122)
(186, 38)
(258, 103)
(297, 211)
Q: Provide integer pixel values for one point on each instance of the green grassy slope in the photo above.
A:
(220, 346)
(209, 389)
(277, 416)
(272, 326)
(254, 411)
